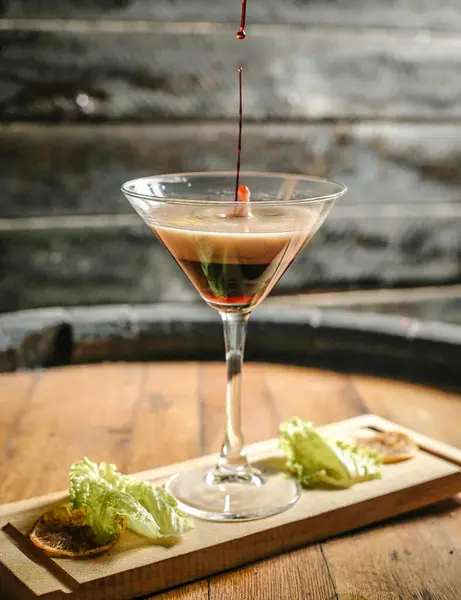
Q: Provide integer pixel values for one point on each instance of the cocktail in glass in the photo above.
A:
(233, 253)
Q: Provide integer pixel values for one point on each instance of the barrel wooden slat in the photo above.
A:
(307, 393)
(166, 423)
(73, 412)
(15, 394)
(142, 415)
(195, 591)
(435, 413)
(301, 574)
(416, 559)
(126, 413)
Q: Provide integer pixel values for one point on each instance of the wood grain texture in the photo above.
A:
(380, 13)
(413, 406)
(78, 170)
(107, 75)
(84, 411)
(300, 574)
(403, 557)
(418, 557)
(308, 394)
(167, 403)
(215, 546)
(195, 591)
(415, 560)
(15, 396)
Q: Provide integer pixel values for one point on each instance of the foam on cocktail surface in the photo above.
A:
(189, 232)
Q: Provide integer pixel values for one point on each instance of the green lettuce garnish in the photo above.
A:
(157, 501)
(106, 497)
(313, 458)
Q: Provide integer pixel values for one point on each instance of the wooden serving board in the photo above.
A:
(135, 567)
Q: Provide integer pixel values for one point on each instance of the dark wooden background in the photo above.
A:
(94, 92)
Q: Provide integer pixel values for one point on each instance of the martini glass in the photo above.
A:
(233, 253)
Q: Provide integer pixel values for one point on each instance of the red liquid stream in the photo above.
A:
(239, 145)
(241, 36)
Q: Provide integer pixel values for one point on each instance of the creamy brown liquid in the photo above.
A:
(234, 260)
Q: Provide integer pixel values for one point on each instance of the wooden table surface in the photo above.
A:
(145, 415)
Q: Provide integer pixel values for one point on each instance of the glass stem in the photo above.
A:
(233, 457)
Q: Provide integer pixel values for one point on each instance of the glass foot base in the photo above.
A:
(223, 496)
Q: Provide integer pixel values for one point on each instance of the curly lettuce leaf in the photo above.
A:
(106, 508)
(313, 458)
(172, 522)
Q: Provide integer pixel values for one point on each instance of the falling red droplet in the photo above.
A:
(241, 35)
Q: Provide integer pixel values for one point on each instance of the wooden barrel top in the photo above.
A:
(142, 415)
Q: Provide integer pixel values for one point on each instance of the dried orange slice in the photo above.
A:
(393, 446)
(62, 531)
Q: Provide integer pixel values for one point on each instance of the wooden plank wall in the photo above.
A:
(99, 91)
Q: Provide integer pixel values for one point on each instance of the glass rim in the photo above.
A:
(341, 188)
